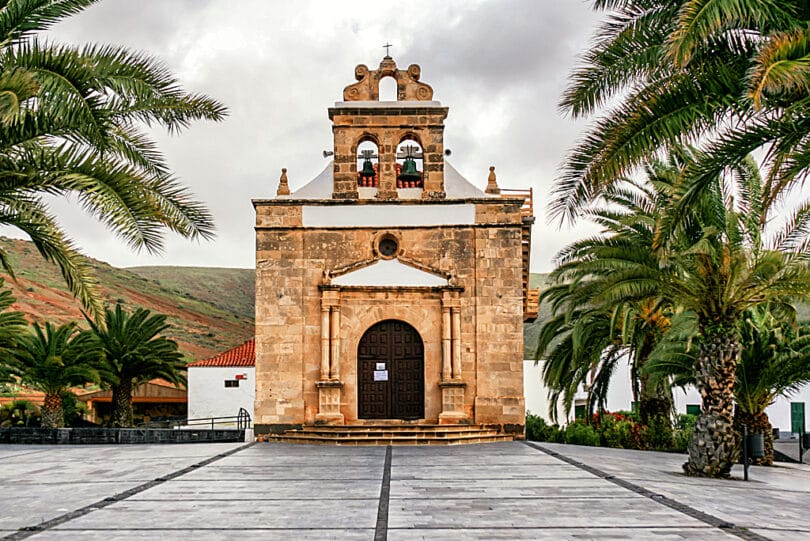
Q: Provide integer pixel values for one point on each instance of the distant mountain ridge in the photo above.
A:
(211, 310)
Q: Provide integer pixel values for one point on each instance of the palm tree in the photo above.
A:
(72, 122)
(715, 263)
(728, 75)
(53, 360)
(133, 352)
(12, 326)
(730, 267)
(586, 338)
(774, 361)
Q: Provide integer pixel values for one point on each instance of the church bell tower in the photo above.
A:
(401, 135)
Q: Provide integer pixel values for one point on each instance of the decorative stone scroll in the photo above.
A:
(368, 86)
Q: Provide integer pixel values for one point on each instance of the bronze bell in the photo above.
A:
(409, 171)
(368, 169)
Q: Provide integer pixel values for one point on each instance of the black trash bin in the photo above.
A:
(756, 445)
(806, 440)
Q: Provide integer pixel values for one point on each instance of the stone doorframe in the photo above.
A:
(450, 379)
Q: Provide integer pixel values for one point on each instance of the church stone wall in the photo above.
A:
(484, 260)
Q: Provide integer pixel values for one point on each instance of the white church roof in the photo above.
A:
(390, 273)
(455, 185)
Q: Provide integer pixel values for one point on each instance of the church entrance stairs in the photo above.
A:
(387, 434)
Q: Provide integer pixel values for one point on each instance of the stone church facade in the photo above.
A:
(390, 289)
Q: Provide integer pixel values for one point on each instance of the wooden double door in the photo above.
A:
(391, 372)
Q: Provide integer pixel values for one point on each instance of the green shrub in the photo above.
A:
(615, 431)
(534, 427)
(684, 421)
(627, 415)
(684, 425)
(19, 413)
(73, 410)
(556, 434)
(660, 434)
(538, 430)
(579, 433)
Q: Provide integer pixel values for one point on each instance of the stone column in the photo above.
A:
(446, 345)
(335, 338)
(325, 345)
(456, 343)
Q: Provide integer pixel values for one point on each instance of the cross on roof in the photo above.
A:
(386, 47)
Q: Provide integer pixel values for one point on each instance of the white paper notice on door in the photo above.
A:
(381, 375)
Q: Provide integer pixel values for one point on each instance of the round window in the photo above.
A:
(388, 247)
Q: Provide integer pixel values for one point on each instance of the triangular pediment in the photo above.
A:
(390, 273)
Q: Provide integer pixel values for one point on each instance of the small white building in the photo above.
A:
(620, 397)
(221, 385)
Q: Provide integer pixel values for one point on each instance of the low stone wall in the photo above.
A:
(68, 436)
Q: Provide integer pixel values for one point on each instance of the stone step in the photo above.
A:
(394, 440)
(394, 428)
(394, 434)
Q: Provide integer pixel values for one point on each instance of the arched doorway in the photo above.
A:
(391, 372)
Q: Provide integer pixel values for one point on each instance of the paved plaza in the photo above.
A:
(285, 491)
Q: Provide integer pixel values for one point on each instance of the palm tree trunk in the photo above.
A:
(713, 448)
(52, 416)
(122, 404)
(757, 423)
(655, 402)
(654, 397)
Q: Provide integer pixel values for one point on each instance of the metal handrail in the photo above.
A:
(242, 419)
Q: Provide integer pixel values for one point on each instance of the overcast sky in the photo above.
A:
(500, 66)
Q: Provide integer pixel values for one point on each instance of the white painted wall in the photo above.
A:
(620, 396)
(389, 273)
(387, 215)
(208, 396)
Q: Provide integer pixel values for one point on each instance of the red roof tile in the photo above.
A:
(244, 355)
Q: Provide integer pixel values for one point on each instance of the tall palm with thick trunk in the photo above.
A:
(133, 352)
(52, 360)
(730, 77)
(72, 122)
(731, 267)
(774, 361)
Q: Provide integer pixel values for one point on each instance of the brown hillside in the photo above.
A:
(202, 328)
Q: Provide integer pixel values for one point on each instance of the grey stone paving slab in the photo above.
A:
(43, 482)
(563, 534)
(760, 506)
(93, 462)
(186, 489)
(282, 491)
(783, 535)
(530, 488)
(776, 497)
(493, 471)
(790, 447)
(291, 473)
(289, 514)
(220, 534)
(22, 505)
(532, 513)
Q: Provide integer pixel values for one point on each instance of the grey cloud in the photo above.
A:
(279, 65)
